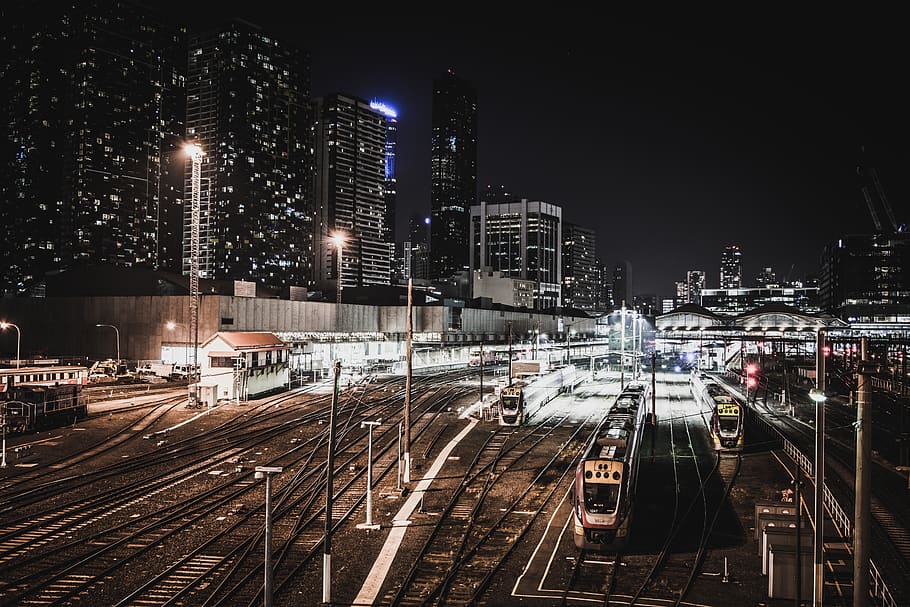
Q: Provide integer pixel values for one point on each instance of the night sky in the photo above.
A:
(672, 138)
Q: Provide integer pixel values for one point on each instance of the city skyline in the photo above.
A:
(643, 128)
(703, 140)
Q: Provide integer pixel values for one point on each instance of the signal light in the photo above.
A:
(826, 350)
(751, 382)
(750, 369)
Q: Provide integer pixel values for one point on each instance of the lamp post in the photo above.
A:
(369, 524)
(330, 464)
(195, 153)
(118, 342)
(622, 346)
(4, 325)
(267, 472)
(818, 396)
(338, 239)
(3, 421)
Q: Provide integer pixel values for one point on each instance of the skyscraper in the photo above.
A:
(521, 239)
(390, 188)
(248, 109)
(454, 172)
(731, 268)
(695, 283)
(578, 274)
(350, 185)
(91, 95)
(622, 284)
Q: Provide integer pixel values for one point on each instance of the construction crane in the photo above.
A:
(871, 184)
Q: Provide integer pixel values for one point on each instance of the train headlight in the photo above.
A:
(616, 476)
(588, 474)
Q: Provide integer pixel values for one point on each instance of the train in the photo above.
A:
(33, 398)
(723, 414)
(603, 493)
(474, 357)
(522, 399)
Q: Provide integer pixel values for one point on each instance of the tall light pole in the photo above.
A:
(267, 472)
(338, 238)
(195, 153)
(369, 524)
(818, 395)
(4, 325)
(330, 464)
(622, 346)
(118, 342)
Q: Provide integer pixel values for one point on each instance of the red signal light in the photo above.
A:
(751, 369)
(751, 381)
(826, 350)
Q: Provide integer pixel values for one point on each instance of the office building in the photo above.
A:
(248, 109)
(390, 191)
(521, 239)
(767, 278)
(350, 192)
(578, 278)
(731, 268)
(454, 172)
(603, 290)
(865, 279)
(682, 293)
(730, 302)
(695, 282)
(91, 96)
(622, 284)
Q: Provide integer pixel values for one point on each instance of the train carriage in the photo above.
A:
(520, 401)
(40, 397)
(603, 494)
(724, 415)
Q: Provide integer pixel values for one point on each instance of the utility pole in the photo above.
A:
(481, 373)
(510, 352)
(819, 398)
(330, 464)
(863, 490)
(407, 392)
(622, 347)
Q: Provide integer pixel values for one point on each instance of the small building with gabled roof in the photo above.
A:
(238, 365)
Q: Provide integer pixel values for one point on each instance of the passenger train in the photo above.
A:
(723, 414)
(40, 397)
(603, 494)
(522, 399)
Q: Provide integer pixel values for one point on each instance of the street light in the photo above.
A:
(338, 238)
(4, 325)
(817, 394)
(195, 153)
(369, 524)
(267, 472)
(118, 342)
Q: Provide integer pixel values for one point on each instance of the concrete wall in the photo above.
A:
(65, 327)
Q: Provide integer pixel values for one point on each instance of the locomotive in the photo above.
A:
(607, 474)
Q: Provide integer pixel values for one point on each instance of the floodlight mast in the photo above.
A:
(195, 153)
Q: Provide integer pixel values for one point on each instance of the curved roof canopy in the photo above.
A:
(770, 317)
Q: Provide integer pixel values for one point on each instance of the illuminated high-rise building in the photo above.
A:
(248, 109)
(695, 283)
(578, 273)
(521, 239)
(350, 191)
(91, 102)
(454, 172)
(731, 268)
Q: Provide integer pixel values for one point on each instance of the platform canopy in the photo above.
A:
(692, 320)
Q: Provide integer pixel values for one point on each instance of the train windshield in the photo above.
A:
(601, 498)
(728, 424)
(510, 402)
